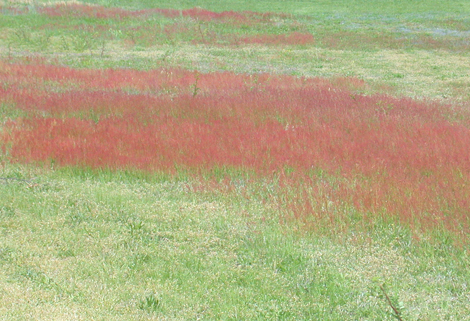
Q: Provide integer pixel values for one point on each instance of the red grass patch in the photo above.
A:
(382, 156)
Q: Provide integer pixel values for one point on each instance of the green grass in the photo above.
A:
(304, 6)
(416, 54)
(120, 247)
(77, 244)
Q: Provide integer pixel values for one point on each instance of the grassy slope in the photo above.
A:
(78, 245)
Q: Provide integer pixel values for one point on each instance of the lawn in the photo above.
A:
(234, 160)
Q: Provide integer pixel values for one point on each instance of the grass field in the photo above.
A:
(271, 160)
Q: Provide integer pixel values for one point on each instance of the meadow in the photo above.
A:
(234, 160)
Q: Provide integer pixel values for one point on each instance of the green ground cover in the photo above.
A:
(382, 7)
(78, 244)
(419, 53)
